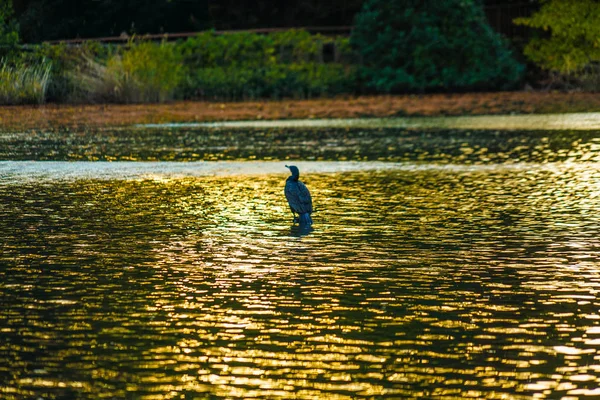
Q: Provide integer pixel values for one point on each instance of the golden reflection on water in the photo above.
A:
(366, 142)
(464, 283)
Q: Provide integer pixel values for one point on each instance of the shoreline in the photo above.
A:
(50, 116)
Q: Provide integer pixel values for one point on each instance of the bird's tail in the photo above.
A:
(305, 219)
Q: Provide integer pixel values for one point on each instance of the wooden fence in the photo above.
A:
(325, 30)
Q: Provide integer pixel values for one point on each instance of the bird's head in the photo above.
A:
(294, 170)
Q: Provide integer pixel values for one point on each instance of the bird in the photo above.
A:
(298, 197)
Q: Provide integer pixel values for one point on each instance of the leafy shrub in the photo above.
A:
(248, 66)
(568, 49)
(413, 45)
(208, 50)
(232, 66)
(23, 84)
(9, 30)
(304, 80)
(144, 72)
(150, 72)
(297, 46)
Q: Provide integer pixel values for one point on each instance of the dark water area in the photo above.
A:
(470, 275)
(319, 144)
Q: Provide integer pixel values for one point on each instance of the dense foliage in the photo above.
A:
(140, 73)
(245, 65)
(207, 66)
(397, 46)
(572, 41)
(415, 45)
(9, 35)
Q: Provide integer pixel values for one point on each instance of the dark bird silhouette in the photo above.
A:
(298, 197)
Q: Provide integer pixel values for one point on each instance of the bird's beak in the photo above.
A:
(287, 166)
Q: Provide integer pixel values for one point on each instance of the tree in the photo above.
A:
(9, 36)
(424, 45)
(572, 39)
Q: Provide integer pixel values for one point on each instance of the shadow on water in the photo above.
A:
(301, 230)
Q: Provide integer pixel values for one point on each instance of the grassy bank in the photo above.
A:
(236, 66)
(56, 116)
(241, 66)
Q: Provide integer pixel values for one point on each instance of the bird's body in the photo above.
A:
(298, 197)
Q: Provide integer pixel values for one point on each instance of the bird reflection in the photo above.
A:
(298, 197)
(300, 230)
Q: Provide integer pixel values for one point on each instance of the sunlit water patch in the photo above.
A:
(12, 172)
(530, 122)
(440, 282)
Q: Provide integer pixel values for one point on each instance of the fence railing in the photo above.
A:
(325, 30)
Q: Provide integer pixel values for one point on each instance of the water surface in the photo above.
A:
(572, 121)
(448, 146)
(422, 278)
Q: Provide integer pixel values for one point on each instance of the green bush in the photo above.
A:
(304, 80)
(208, 66)
(9, 30)
(23, 84)
(208, 50)
(249, 66)
(143, 72)
(150, 72)
(297, 46)
(414, 45)
(571, 50)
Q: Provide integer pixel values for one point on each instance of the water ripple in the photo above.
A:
(453, 282)
(440, 146)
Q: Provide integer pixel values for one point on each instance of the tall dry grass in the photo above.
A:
(144, 73)
(24, 84)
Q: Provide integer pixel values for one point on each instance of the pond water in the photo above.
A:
(442, 264)
(571, 121)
